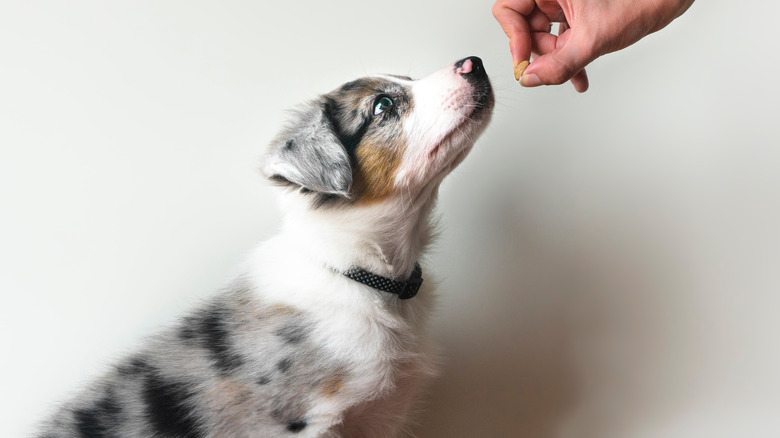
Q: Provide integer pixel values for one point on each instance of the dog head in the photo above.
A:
(382, 137)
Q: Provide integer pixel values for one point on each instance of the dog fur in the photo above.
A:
(292, 347)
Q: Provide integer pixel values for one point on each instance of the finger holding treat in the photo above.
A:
(589, 29)
(513, 16)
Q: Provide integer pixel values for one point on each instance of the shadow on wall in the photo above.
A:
(556, 337)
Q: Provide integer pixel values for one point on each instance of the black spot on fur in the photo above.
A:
(187, 332)
(284, 365)
(293, 333)
(88, 423)
(388, 117)
(289, 145)
(134, 367)
(290, 411)
(168, 408)
(109, 405)
(264, 380)
(296, 426)
(210, 330)
(217, 339)
(337, 114)
(95, 422)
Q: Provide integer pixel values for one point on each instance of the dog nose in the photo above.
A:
(471, 68)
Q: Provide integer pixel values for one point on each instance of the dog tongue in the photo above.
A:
(465, 68)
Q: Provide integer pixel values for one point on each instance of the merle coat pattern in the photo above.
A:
(292, 347)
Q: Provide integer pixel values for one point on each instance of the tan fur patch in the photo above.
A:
(333, 384)
(283, 309)
(378, 162)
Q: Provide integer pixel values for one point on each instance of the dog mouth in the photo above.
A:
(448, 138)
(474, 117)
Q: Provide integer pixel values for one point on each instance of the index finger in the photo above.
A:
(512, 16)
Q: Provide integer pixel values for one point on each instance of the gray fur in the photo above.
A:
(308, 153)
(206, 377)
(317, 150)
(238, 366)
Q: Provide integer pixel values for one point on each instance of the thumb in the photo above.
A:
(571, 54)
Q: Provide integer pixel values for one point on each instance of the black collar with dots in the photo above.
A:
(404, 289)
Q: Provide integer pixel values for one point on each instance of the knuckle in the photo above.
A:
(560, 72)
(497, 9)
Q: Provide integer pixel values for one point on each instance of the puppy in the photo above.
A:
(324, 334)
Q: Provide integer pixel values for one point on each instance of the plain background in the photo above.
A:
(609, 262)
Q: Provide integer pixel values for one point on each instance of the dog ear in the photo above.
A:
(309, 154)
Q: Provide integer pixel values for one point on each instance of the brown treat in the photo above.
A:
(520, 68)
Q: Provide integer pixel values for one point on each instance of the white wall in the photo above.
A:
(610, 262)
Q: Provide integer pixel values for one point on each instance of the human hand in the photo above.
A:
(589, 29)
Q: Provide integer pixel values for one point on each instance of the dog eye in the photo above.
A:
(382, 104)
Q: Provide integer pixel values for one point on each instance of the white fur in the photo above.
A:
(229, 369)
(389, 337)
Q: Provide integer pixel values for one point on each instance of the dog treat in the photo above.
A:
(520, 68)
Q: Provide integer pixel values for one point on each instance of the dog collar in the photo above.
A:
(404, 289)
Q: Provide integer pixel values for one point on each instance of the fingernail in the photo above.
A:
(530, 81)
